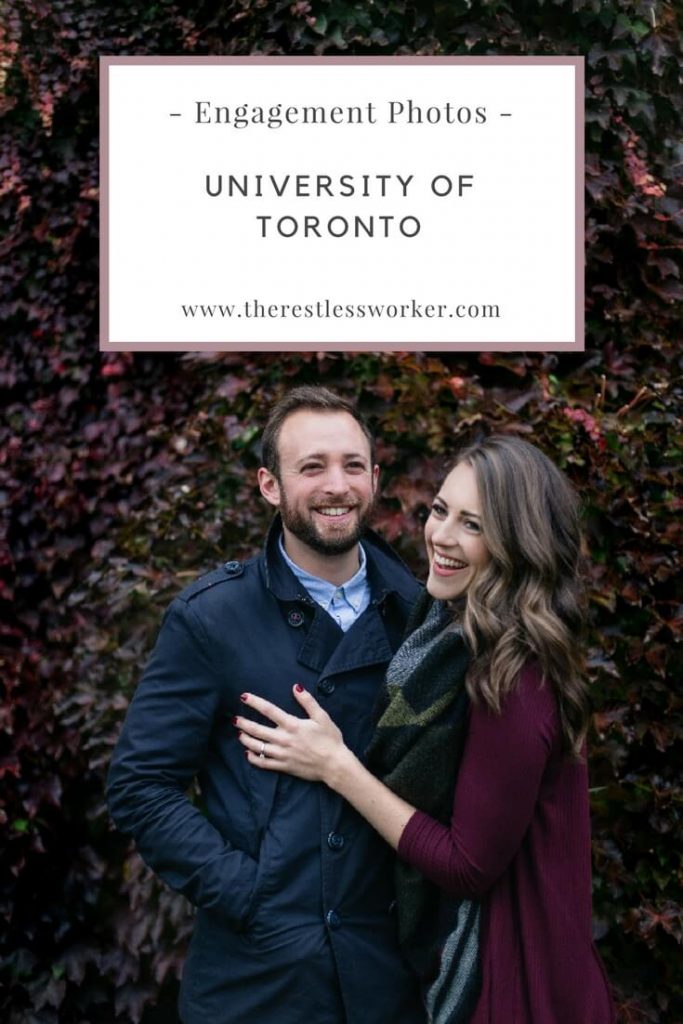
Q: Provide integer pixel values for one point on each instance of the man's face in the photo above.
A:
(326, 484)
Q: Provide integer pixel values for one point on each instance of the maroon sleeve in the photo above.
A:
(501, 770)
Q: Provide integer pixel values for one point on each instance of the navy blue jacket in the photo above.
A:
(293, 889)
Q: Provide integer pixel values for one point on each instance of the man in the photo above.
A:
(292, 888)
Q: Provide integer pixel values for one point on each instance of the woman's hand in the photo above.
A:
(311, 748)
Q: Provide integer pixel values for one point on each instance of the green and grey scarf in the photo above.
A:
(416, 751)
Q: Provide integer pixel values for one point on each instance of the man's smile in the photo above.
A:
(334, 511)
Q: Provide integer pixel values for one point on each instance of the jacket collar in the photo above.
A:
(387, 573)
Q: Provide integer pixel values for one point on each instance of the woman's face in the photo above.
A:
(455, 546)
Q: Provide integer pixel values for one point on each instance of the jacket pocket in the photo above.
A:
(265, 882)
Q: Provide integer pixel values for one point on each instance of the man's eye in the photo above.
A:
(310, 467)
(356, 465)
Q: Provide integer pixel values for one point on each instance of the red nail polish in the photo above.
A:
(299, 688)
(244, 696)
(234, 719)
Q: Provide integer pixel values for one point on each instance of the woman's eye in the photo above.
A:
(437, 509)
(472, 524)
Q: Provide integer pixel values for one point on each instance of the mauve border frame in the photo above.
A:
(577, 345)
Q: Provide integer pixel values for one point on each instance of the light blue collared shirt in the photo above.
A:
(344, 603)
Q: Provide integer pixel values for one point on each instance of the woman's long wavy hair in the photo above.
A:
(527, 602)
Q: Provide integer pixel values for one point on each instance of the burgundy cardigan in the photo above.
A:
(519, 840)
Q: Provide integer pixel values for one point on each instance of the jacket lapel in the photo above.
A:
(365, 643)
(322, 639)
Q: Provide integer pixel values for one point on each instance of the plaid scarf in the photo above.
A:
(416, 751)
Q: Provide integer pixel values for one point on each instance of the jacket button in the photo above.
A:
(326, 687)
(335, 841)
(295, 619)
(332, 920)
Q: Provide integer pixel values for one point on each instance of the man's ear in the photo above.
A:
(375, 479)
(269, 486)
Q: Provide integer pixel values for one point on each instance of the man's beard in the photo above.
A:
(305, 530)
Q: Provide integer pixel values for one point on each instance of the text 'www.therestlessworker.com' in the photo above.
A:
(326, 309)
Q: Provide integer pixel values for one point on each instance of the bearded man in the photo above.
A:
(293, 889)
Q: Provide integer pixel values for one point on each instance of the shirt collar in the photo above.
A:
(322, 591)
(387, 573)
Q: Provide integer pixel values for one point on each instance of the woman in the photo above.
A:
(494, 657)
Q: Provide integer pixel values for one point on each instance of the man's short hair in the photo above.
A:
(308, 396)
